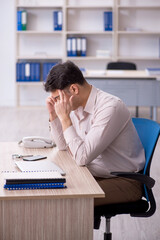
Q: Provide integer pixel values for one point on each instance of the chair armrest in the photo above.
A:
(148, 181)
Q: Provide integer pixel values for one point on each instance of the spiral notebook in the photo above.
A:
(33, 180)
(42, 165)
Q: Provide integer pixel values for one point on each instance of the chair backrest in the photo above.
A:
(148, 132)
(121, 66)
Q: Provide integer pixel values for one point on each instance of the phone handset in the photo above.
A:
(36, 142)
(37, 138)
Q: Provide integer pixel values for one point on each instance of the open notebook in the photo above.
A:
(42, 165)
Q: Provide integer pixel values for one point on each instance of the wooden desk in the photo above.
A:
(50, 214)
(134, 87)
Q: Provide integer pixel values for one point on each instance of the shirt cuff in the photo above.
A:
(70, 134)
(55, 124)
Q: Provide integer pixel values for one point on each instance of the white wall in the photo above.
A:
(36, 95)
(7, 59)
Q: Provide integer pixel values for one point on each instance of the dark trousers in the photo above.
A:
(118, 190)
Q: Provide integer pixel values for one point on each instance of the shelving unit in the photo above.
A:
(82, 18)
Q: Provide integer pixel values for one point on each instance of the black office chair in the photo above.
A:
(148, 132)
(123, 66)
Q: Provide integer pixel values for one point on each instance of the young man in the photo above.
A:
(96, 128)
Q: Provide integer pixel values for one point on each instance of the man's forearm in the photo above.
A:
(57, 134)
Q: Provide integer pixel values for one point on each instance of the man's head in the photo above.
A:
(67, 77)
(62, 76)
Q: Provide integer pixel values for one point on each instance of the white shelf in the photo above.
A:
(138, 7)
(88, 58)
(38, 57)
(38, 7)
(89, 7)
(29, 83)
(89, 33)
(28, 32)
(138, 32)
(138, 58)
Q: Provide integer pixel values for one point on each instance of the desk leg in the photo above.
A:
(47, 219)
(155, 113)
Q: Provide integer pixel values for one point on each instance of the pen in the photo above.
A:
(20, 156)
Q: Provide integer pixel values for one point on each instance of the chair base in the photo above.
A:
(107, 236)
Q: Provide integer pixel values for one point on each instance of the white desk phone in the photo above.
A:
(36, 142)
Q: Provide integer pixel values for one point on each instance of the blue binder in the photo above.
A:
(46, 68)
(69, 47)
(55, 19)
(34, 186)
(22, 72)
(108, 21)
(17, 72)
(84, 46)
(60, 20)
(19, 20)
(79, 46)
(73, 47)
(32, 72)
(27, 72)
(37, 72)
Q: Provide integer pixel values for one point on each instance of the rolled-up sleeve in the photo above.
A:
(57, 134)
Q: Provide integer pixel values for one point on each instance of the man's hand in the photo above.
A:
(63, 107)
(50, 102)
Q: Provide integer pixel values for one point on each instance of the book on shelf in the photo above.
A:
(58, 20)
(76, 46)
(21, 20)
(33, 180)
(108, 21)
(46, 68)
(28, 72)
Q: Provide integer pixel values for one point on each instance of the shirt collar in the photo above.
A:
(89, 107)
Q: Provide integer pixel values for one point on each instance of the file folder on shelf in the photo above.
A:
(79, 47)
(84, 46)
(108, 21)
(69, 47)
(76, 46)
(24, 20)
(46, 68)
(73, 47)
(28, 72)
(58, 20)
(21, 20)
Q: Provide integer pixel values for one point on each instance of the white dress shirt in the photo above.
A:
(102, 136)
